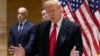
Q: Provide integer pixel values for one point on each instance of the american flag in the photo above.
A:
(95, 10)
(87, 14)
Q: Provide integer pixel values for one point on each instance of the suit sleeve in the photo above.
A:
(29, 46)
(10, 40)
(78, 40)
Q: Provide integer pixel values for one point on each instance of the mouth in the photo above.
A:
(52, 18)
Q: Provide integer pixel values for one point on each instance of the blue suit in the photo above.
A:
(26, 38)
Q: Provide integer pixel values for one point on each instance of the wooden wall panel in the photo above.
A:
(3, 28)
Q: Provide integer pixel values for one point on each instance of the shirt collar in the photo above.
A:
(23, 22)
(58, 23)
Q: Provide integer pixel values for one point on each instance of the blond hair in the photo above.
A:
(51, 3)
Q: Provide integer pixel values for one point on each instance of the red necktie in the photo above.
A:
(52, 42)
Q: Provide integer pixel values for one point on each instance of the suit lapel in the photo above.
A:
(63, 34)
(46, 37)
(16, 30)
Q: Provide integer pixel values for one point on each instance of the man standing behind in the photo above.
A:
(22, 33)
(44, 15)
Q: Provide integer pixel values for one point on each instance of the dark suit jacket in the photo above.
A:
(69, 36)
(26, 38)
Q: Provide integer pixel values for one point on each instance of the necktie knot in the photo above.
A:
(20, 25)
(55, 25)
(20, 28)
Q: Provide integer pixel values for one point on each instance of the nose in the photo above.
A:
(19, 14)
(51, 13)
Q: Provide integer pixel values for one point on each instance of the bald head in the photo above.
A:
(22, 14)
(23, 9)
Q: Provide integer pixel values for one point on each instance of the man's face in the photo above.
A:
(21, 15)
(54, 13)
(44, 15)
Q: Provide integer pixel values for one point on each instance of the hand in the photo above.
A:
(11, 50)
(17, 51)
(74, 52)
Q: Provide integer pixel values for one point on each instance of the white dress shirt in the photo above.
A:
(22, 24)
(57, 28)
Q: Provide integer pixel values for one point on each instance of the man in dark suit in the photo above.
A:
(68, 34)
(22, 33)
(57, 37)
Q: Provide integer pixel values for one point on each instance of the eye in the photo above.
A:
(48, 11)
(53, 10)
(43, 13)
(20, 13)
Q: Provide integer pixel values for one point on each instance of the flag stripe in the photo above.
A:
(94, 41)
(89, 33)
(86, 38)
(85, 53)
(87, 15)
(99, 9)
(77, 21)
(93, 18)
(85, 29)
(97, 16)
(86, 47)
